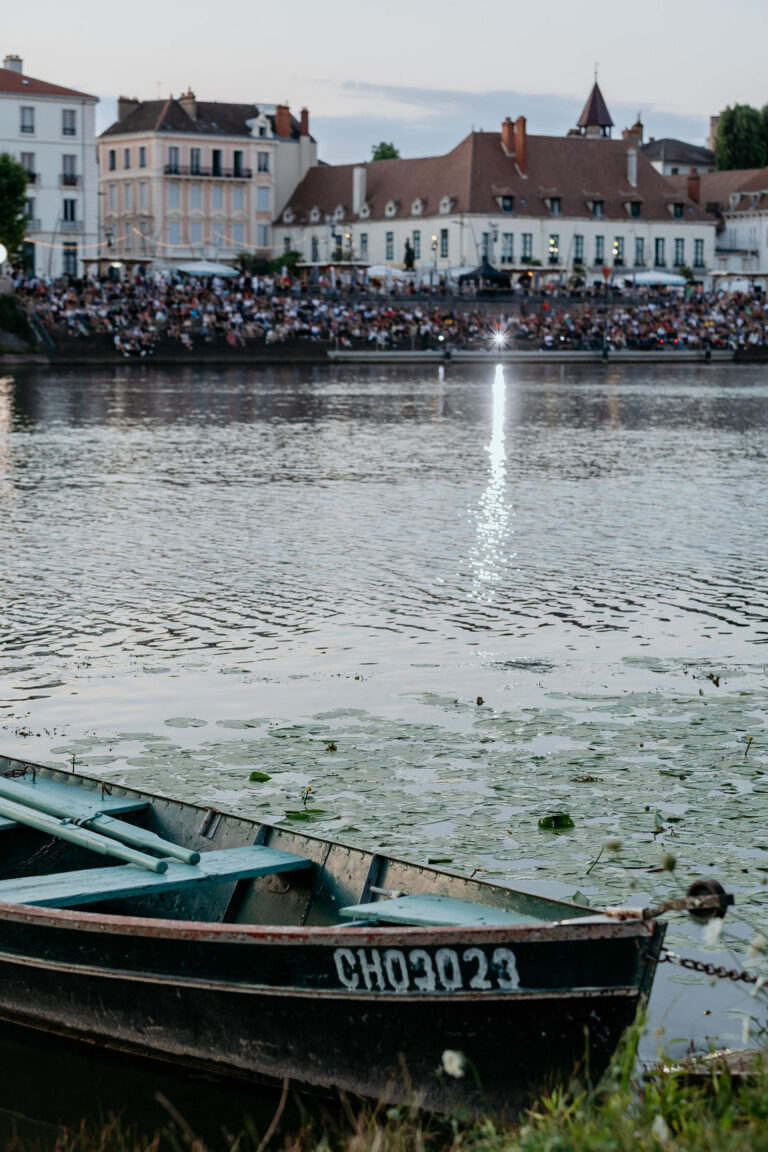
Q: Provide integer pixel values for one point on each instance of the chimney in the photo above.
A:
(508, 137)
(694, 187)
(304, 128)
(283, 121)
(714, 124)
(13, 63)
(358, 189)
(519, 145)
(126, 105)
(189, 104)
(632, 166)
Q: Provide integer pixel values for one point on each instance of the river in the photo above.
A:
(434, 605)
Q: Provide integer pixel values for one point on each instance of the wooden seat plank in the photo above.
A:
(89, 885)
(78, 802)
(426, 910)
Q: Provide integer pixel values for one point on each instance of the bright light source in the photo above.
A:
(3, 253)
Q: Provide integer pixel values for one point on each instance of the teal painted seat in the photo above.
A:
(89, 885)
(430, 911)
(78, 802)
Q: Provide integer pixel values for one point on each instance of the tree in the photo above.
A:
(740, 140)
(384, 151)
(13, 200)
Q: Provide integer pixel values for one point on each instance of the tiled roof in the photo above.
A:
(17, 83)
(750, 185)
(677, 152)
(595, 114)
(478, 173)
(212, 119)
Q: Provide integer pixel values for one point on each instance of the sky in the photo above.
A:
(418, 73)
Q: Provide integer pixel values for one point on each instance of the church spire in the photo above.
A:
(595, 120)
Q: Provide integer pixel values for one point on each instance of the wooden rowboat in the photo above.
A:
(251, 950)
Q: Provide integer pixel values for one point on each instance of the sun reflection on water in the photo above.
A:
(494, 531)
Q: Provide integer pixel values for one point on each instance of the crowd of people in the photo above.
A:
(137, 314)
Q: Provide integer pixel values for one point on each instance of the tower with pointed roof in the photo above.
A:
(595, 120)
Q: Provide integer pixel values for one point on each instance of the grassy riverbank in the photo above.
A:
(669, 1111)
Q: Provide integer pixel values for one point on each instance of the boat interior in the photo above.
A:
(67, 841)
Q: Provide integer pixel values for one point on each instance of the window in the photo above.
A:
(142, 157)
(237, 163)
(485, 245)
(363, 245)
(195, 157)
(238, 233)
(69, 211)
(390, 245)
(578, 249)
(113, 197)
(68, 170)
(128, 197)
(68, 123)
(143, 196)
(507, 248)
(29, 209)
(262, 199)
(174, 232)
(216, 162)
(659, 258)
(27, 120)
(598, 208)
(173, 160)
(126, 158)
(217, 198)
(555, 206)
(315, 250)
(634, 208)
(417, 245)
(444, 243)
(28, 163)
(238, 199)
(507, 203)
(111, 160)
(262, 235)
(639, 251)
(69, 260)
(599, 249)
(287, 243)
(174, 197)
(195, 196)
(553, 249)
(698, 253)
(677, 211)
(195, 231)
(527, 245)
(263, 162)
(679, 252)
(618, 250)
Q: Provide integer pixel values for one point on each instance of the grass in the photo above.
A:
(663, 1112)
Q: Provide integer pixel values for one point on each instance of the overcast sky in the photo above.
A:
(420, 73)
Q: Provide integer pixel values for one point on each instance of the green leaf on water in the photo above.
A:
(259, 777)
(304, 813)
(556, 821)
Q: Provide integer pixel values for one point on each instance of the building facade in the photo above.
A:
(51, 131)
(528, 204)
(182, 179)
(738, 200)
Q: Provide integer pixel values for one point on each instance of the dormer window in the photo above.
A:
(365, 211)
(390, 208)
(634, 207)
(417, 207)
(288, 216)
(446, 204)
(555, 206)
(314, 216)
(338, 214)
(598, 208)
(507, 203)
(677, 211)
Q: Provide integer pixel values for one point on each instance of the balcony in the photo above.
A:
(31, 177)
(70, 225)
(33, 224)
(208, 172)
(68, 180)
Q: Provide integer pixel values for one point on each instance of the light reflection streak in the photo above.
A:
(492, 552)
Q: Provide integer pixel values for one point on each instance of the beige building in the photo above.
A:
(183, 179)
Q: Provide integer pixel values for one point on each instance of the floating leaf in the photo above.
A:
(304, 813)
(557, 821)
(259, 777)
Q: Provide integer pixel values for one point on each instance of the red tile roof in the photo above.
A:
(717, 188)
(17, 82)
(477, 173)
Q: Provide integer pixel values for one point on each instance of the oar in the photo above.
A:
(65, 830)
(99, 822)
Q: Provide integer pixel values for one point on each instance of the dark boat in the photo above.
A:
(250, 950)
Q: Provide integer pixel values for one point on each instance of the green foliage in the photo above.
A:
(741, 138)
(13, 198)
(13, 320)
(287, 260)
(385, 151)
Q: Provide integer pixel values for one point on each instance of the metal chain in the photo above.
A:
(707, 969)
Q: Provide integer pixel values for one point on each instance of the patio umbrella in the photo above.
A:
(206, 268)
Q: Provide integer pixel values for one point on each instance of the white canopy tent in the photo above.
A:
(206, 268)
(657, 276)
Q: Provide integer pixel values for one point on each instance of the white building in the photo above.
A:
(51, 131)
(538, 204)
(738, 199)
(185, 179)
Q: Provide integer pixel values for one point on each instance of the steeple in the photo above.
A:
(595, 120)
